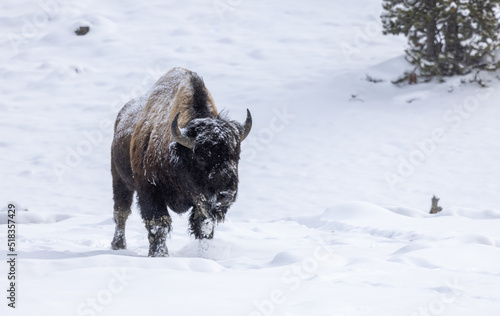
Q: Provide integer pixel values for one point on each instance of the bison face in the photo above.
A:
(214, 146)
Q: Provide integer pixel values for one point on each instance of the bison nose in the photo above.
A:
(225, 197)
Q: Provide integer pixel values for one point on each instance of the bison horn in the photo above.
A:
(247, 127)
(178, 137)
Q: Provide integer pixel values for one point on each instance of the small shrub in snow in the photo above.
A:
(435, 208)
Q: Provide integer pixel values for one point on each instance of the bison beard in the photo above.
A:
(195, 168)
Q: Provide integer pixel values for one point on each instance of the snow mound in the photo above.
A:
(410, 212)
(478, 239)
(18, 207)
(208, 249)
(285, 258)
(362, 217)
(353, 211)
(471, 213)
(24, 216)
(468, 257)
(410, 248)
(387, 69)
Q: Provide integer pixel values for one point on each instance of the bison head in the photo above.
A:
(210, 148)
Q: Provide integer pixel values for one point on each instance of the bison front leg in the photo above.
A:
(158, 230)
(201, 223)
(202, 228)
(157, 220)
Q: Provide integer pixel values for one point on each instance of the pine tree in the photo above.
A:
(445, 37)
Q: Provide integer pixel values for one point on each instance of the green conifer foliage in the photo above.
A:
(446, 37)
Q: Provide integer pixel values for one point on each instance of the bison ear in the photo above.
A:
(187, 142)
(247, 126)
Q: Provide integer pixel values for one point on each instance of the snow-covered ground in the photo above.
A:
(336, 177)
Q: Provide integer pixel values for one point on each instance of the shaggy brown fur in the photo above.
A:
(152, 135)
(166, 175)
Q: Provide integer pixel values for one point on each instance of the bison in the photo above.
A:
(175, 150)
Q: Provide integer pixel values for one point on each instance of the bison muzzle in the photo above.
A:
(175, 150)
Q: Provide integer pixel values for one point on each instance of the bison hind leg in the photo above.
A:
(119, 241)
(122, 197)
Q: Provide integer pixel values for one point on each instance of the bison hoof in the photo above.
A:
(158, 248)
(118, 243)
(158, 253)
